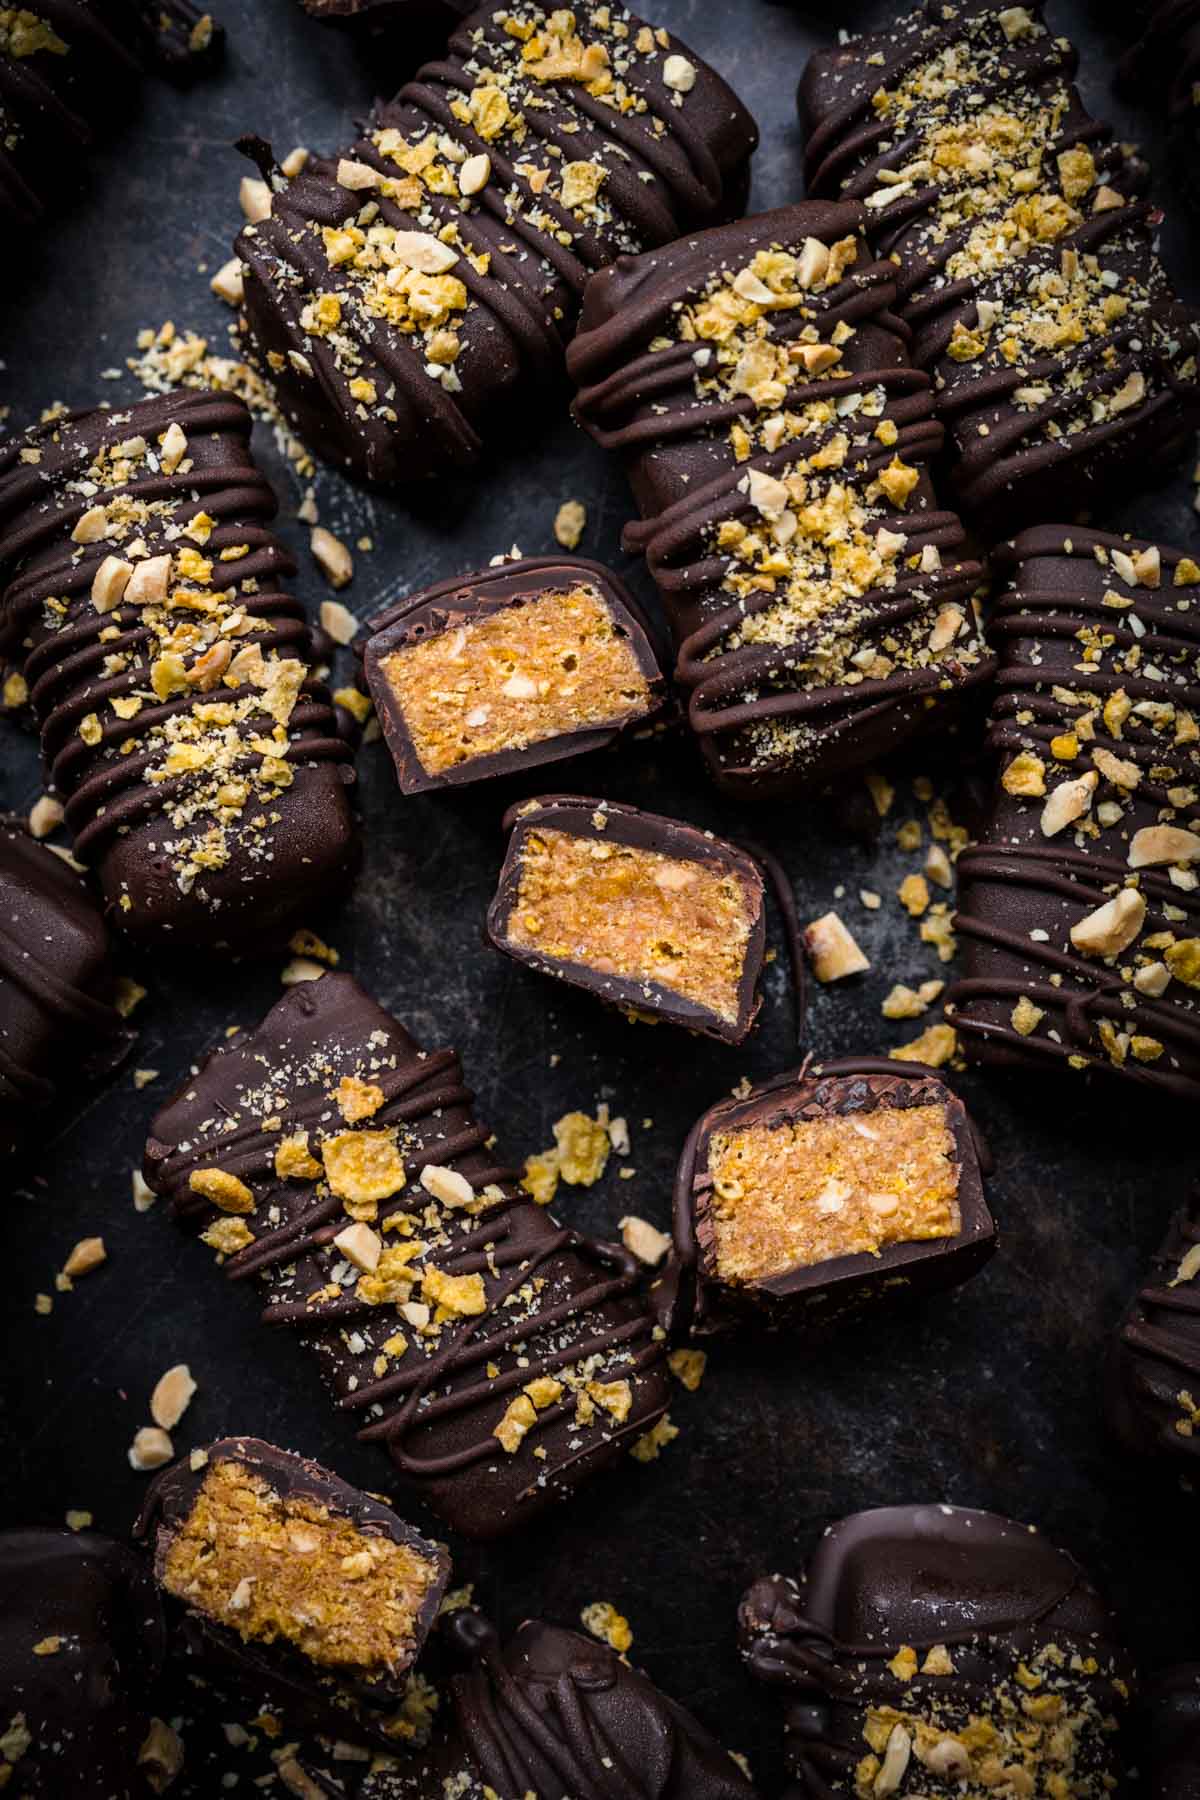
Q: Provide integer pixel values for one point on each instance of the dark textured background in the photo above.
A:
(987, 1397)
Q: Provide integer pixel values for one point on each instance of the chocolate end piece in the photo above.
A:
(657, 918)
(509, 668)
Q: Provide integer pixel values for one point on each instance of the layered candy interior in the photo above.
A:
(540, 668)
(282, 1567)
(635, 914)
(790, 1193)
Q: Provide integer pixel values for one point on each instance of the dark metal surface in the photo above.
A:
(989, 1396)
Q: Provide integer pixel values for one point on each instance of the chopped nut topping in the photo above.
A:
(832, 949)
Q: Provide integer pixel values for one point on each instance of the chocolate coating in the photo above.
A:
(836, 656)
(1161, 70)
(197, 756)
(317, 1698)
(1020, 1641)
(1061, 382)
(1172, 1734)
(1154, 1363)
(577, 817)
(526, 240)
(821, 1293)
(56, 984)
(466, 598)
(436, 1407)
(84, 1706)
(1127, 707)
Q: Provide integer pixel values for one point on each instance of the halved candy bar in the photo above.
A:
(1064, 364)
(500, 1358)
(56, 984)
(408, 297)
(508, 668)
(935, 1647)
(1079, 909)
(1154, 1362)
(819, 1193)
(656, 917)
(310, 1591)
(170, 671)
(778, 441)
(82, 1641)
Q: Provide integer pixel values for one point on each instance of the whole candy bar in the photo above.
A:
(656, 917)
(316, 1596)
(500, 1358)
(508, 668)
(67, 69)
(778, 442)
(552, 1714)
(81, 1644)
(933, 1645)
(197, 756)
(819, 1192)
(1064, 364)
(404, 295)
(1172, 1734)
(1079, 909)
(1154, 1364)
(56, 984)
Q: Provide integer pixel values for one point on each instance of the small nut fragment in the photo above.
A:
(150, 1449)
(87, 1255)
(229, 283)
(832, 949)
(895, 1763)
(90, 526)
(357, 176)
(421, 251)
(446, 1185)
(1068, 802)
(474, 174)
(332, 557)
(172, 1396)
(173, 448)
(161, 1756)
(361, 1246)
(1153, 979)
(679, 74)
(254, 198)
(295, 162)
(1155, 845)
(338, 621)
(1111, 927)
(644, 1240)
(147, 586)
(569, 523)
(45, 815)
(812, 263)
(109, 583)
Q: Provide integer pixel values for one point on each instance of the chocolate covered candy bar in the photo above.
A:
(1064, 364)
(1079, 911)
(777, 439)
(499, 1357)
(56, 984)
(819, 1192)
(81, 1643)
(141, 599)
(656, 917)
(66, 66)
(1172, 1734)
(313, 1594)
(511, 667)
(1154, 1364)
(404, 294)
(934, 1648)
(557, 1715)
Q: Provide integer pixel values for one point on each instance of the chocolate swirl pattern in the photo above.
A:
(403, 294)
(777, 440)
(64, 67)
(141, 598)
(1079, 910)
(499, 1357)
(932, 1650)
(1063, 364)
(56, 984)
(1154, 1366)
